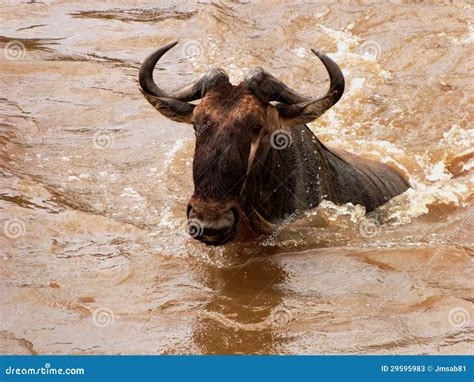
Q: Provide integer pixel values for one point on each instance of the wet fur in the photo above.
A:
(280, 182)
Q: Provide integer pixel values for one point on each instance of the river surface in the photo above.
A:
(94, 254)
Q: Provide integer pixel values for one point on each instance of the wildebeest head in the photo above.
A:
(231, 123)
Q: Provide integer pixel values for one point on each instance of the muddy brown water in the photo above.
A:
(94, 183)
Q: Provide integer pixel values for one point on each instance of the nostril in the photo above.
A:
(211, 225)
(221, 225)
(195, 228)
(193, 214)
(236, 215)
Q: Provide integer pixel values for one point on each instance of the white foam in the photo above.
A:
(356, 84)
(414, 202)
(344, 41)
(332, 211)
(131, 193)
(300, 52)
(438, 172)
(459, 137)
(166, 218)
(468, 38)
(468, 165)
(170, 154)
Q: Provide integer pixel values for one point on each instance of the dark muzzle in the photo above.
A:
(212, 223)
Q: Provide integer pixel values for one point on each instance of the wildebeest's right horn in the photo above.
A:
(175, 105)
(294, 107)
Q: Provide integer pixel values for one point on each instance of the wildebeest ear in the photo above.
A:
(305, 112)
(174, 109)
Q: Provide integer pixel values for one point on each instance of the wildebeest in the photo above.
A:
(256, 161)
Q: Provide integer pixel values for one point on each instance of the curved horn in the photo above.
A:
(175, 105)
(292, 105)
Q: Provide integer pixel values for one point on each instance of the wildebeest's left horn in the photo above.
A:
(175, 105)
(294, 107)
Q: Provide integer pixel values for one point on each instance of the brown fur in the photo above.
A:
(276, 182)
(240, 174)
